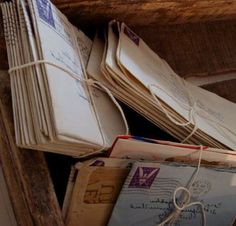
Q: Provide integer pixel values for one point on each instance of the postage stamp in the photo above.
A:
(45, 11)
(143, 177)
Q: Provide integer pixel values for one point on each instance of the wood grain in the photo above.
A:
(3, 54)
(147, 12)
(13, 180)
(225, 89)
(27, 176)
(26, 172)
(198, 49)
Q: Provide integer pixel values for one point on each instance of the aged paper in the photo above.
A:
(156, 150)
(177, 99)
(146, 197)
(55, 107)
(95, 191)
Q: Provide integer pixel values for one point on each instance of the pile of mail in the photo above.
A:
(141, 79)
(54, 108)
(136, 184)
(62, 85)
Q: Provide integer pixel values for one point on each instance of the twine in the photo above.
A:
(89, 82)
(186, 199)
(192, 114)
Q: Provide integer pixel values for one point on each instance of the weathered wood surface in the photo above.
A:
(199, 49)
(13, 180)
(27, 176)
(3, 54)
(147, 12)
(30, 186)
(226, 89)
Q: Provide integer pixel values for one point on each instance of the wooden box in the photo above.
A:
(196, 37)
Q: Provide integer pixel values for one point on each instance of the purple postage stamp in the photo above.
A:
(45, 11)
(143, 177)
(131, 35)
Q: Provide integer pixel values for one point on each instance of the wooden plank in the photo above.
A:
(199, 49)
(3, 54)
(147, 12)
(15, 188)
(28, 179)
(224, 89)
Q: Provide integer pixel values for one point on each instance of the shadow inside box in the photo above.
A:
(60, 165)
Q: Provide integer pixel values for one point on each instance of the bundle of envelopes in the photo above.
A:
(141, 79)
(62, 92)
(54, 108)
(135, 185)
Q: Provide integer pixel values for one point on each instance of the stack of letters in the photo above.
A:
(135, 185)
(54, 109)
(62, 86)
(141, 79)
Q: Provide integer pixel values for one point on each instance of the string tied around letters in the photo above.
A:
(186, 198)
(87, 81)
(170, 116)
(191, 107)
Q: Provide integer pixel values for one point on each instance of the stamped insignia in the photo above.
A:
(131, 35)
(45, 11)
(143, 177)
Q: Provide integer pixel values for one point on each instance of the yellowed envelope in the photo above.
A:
(95, 192)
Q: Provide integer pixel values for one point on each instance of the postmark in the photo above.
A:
(200, 188)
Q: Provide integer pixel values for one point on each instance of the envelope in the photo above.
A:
(97, 186)
(147, 196)
(133, 147)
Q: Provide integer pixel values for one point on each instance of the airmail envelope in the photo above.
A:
(146, 196)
